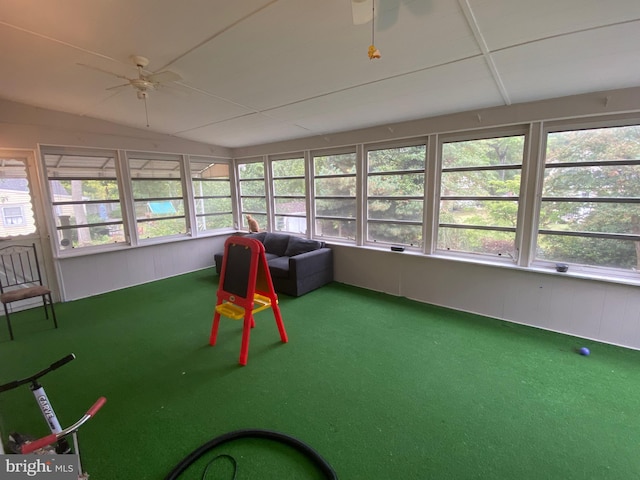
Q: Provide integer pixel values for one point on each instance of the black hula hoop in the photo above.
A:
(302, 447)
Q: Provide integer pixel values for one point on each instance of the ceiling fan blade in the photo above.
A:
(118, 86)
(165, 76)
(362, 11)
(103, 71)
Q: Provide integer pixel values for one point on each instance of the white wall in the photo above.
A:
(603, 311)
(88, 275)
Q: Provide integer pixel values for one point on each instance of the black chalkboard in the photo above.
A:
(237, 264)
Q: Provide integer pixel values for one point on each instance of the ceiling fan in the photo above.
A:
(143, 83)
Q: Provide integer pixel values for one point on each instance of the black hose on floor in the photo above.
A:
(302, 447)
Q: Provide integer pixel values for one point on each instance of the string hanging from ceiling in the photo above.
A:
(373, 51)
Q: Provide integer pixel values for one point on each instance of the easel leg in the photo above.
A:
(279, 322)
(214, 329)
(246, 332)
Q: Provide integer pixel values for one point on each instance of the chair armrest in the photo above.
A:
(311, 262)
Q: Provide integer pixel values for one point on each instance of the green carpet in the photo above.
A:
(382, 387)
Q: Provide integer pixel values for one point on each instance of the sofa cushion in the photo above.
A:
(258, 236)
(279, 267)
(301, 245)
(276, 243)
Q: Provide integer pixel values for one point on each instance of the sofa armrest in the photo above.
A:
(311, 262)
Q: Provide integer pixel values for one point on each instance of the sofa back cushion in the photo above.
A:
(299, 245)
(258, 236)
(276, 243)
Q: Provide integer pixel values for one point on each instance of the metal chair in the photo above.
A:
(20, 279)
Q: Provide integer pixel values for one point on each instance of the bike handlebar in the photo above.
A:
(33, 378)
(49, 439)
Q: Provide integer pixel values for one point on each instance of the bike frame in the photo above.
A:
(58, 434)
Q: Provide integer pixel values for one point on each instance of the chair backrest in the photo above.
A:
(19, 267)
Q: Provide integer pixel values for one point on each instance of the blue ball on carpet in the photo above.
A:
(584, 351)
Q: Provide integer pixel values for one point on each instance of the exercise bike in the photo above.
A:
(56, 442)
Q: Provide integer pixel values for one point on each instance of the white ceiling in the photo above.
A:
(259, 71)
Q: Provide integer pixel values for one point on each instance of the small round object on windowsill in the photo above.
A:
(562, 267)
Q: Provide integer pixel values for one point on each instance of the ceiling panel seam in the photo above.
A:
(475, 28)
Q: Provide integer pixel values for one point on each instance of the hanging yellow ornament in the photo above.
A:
(373, 52)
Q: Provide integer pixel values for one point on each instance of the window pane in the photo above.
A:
(569, 192)
(211, 179)
(383, 190)
(395, 233)
(156, 189)
(291, 224)
(288, 168)
(161, 228)
(483, 152)
(158, 196)
(252, 187)
(336, 228)
(251, 170)
(293, 206)
(85, 198)
(336, 207)
(479, 212)
(397, 159)
(478, 158)
(485, 242)
(601, 144)
(294, 186)
(15, 196)
(395, 210)
(408, 184)
(289, 195)
(341, 186)
(211, 188)
(335, 164)
(254, 205)
(213, 222)
(592, 181)
(599, 252)
(502, 183)
(590, 217)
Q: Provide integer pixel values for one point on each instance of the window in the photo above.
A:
(15, 197)
(158, 197)
(395, 195)
(479, 195)
(289, 195)
(335, 195)
(252, 193)
(12, 216)
(590, 206)
(211, 194)
(85, 198)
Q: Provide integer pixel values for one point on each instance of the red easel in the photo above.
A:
(245, 288)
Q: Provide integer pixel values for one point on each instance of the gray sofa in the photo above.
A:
(297, 265)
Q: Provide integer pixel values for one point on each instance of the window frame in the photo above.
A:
(184, 198)
(364, 207)
(569, 125)
(314, 196)
(274, 196)
(242, 212)
(524, 168)
(52, 204)
(192, 194)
